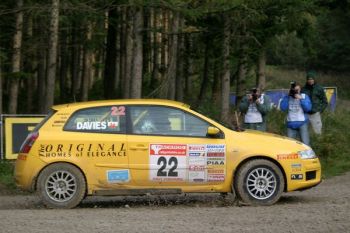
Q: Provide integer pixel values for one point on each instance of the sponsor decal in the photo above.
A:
(168, 162)
(196, 176)
(168, 149)
(182, 162)
(196, 154)
(63, 114)
(287, 156)
(98, 125)
(117, 176)
(196, 148)
(296, 167)
(118, 111)
(215, 161)
(79, 150)
(215, 148)
(215, 154)
(196, 168)
(59, 122)
(216, 171)
(296, 176)
(201, 161)
(216, 177)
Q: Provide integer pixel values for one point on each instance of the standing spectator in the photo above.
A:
(297, 105)
(318, 100)
(255, 107)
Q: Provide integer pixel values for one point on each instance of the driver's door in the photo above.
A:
(170, 147)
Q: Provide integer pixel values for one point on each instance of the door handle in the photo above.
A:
(139, 147)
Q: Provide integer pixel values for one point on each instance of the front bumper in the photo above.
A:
(308, 175)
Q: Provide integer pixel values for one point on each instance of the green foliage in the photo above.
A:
(332, 145)
(6, 174)
(287, 50)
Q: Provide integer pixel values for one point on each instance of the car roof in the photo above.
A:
(120, 102)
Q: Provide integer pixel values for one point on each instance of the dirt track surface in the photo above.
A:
(325, 208)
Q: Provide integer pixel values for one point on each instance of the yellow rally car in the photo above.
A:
(136, 147)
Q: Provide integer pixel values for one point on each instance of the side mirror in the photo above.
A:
(213, 131)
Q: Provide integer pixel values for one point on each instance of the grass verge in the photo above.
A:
(6, 174)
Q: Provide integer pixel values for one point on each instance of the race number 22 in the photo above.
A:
(171, 163)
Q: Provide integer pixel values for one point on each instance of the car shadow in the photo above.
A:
(159, 201)
(190, 200)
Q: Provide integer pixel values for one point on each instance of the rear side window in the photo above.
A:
(107, 119)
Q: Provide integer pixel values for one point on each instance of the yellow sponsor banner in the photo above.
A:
(330, 91)
(16, 130)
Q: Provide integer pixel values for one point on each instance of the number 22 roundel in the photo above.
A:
(168, 162)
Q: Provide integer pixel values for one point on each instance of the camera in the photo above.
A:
(292, 91)
(254, 93)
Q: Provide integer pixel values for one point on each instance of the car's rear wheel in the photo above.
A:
(61, 185)
(259, 182)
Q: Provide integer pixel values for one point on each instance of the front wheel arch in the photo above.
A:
(234, 173)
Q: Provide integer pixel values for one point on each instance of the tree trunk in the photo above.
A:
(52, 56)
(0, 84)
(163, 48)
(75, 61)
(87, 57)
(29, 66)
(41, 79)
(205, 80)
(171, 72)
(136, 73)
(188, 69)
(155, 79)
(122, 53)
(242, 73)
(111, 54)
(146, 48)
(180, 65)
(129, 54)
(242, 69)
(16, 59)
(225, 79)
(216, 83)
(261, 82)
(63, 66)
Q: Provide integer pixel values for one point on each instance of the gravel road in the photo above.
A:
(325, 208)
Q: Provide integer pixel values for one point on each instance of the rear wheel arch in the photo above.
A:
(35, 183)
(61, 185)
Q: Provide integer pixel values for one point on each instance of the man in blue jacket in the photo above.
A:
(297, 106)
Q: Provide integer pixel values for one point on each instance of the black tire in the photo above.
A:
(61, 185)
(259, 182)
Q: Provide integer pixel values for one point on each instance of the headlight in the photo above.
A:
(307, 154)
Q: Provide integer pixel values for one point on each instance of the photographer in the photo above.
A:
(255, 107)
(297, 106)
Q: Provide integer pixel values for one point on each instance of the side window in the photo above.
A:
(156, 120)
(109, 119)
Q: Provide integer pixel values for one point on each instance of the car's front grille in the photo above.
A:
(310, 175)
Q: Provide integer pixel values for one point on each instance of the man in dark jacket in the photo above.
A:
(255, 107)
(318, 100)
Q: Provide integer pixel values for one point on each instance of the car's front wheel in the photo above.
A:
(259, 182)
(61, 185)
